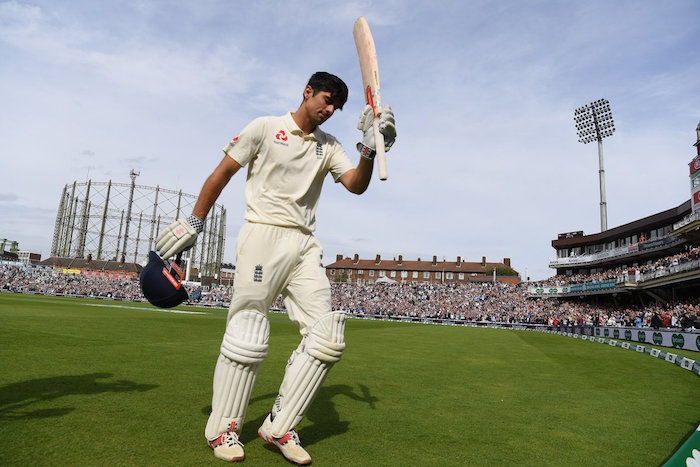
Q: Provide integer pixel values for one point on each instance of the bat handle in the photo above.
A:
(381, 155)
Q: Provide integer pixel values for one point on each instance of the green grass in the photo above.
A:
(90, 382)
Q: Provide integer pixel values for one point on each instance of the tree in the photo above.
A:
(501, 270)
(341, 276)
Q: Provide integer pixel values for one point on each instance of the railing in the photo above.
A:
(629, 250)
(664, 271)
(623, 280)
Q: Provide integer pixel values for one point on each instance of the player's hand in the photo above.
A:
(179, 236)
(387, 127)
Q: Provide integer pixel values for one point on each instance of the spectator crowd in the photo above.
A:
(46, 281)
(630, 274)
(470, 302)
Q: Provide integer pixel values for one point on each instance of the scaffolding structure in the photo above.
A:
(121, 222)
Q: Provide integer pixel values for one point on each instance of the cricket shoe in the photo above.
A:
(289, 444)
(227, 446)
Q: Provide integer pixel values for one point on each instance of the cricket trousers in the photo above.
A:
(274, 260)
(271, 260)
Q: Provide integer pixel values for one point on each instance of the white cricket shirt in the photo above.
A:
(285, 170)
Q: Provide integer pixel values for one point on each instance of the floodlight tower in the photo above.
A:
(594, 122)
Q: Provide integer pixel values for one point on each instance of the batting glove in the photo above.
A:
(179, 236)
(387, 127)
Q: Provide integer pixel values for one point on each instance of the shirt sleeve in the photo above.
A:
(245, 146)
(339, 160)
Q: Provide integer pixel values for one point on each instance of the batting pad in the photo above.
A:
(243, 349)
(306, 370)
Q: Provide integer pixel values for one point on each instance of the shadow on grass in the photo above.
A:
(16, 399)
(324, 419)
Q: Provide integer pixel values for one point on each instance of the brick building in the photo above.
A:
(369, 271)
(90, 267)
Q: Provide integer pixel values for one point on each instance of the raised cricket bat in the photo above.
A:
(369, 67)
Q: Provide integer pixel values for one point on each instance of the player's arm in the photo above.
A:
(357, 180)
(182, 234)
(214, 185)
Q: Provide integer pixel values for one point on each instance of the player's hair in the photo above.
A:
(322, 81)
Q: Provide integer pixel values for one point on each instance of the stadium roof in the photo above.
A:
(654, 221)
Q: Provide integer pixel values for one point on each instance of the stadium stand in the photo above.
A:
(472, 302)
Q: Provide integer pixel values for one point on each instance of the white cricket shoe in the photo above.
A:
(227, 446)
(289, 444)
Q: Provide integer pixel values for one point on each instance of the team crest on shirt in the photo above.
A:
(281, 138)
(234, 140)
(257, 275)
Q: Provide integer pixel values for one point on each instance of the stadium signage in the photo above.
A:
(696, 198)
(573, 289)
(694, 166)
(677, 340)
(649, 244)
(688, 453)
(578, 233)
(665, 338)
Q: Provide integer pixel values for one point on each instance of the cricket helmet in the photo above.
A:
(161, 283)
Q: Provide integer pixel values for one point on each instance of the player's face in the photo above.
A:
(320, 106)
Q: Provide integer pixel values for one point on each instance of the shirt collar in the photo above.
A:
(316, 135)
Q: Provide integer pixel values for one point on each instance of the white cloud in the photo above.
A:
(486, 162)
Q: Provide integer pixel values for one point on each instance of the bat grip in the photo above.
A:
(381, 155)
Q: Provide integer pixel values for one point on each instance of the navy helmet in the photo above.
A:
(161, 283)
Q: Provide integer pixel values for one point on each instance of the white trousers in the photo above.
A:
(275, 260)
(271, 261)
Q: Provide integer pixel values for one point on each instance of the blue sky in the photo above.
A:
(486, 163)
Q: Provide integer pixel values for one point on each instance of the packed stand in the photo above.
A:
(626, 274)
(484, 302)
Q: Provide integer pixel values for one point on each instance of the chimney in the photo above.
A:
(378, 260)
(483, 260)
(506, 261)
(338, 257)
(434, 260)
(356, 259)
(459, 261)
(400, 259)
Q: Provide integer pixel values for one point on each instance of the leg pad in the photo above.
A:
(306, 370)
(243, 349)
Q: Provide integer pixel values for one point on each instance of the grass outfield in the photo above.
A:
(91, 382)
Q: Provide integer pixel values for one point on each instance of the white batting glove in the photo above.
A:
(387, 127)
(179, 236)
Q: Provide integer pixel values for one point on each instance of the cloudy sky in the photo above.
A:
(486, 163)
